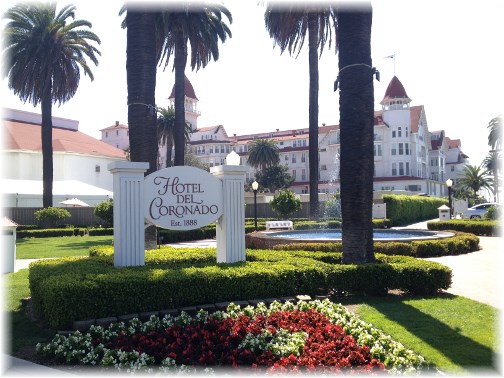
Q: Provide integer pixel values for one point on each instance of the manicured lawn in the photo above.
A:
(454, 333)
(65, 246)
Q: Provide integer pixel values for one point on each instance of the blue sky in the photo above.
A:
(448, 57)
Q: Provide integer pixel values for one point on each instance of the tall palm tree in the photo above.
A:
(141, 63)
(44, 53)
(495, 134)
(263, 153)
(202, 26)
(353, 37)
(288, 26)
(165, 131)
(492, 164)
(475, 178)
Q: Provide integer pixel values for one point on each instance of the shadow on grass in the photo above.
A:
(461, 350)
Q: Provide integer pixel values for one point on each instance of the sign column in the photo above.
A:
(230, 229)
(129, 234)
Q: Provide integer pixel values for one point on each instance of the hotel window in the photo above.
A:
(303, 158)
(294, 173)
(106, 134)
(117, 132)
(377, 150)
(211, 149)
(394, 169)
(406, 148)
(399, 132)
(401, 149)
(452, 168)
(401, 169)
(393, 133)
(286, 157)
(407, 169)
(394, 149)
(406, 131)
(293, 158)
(303, 174)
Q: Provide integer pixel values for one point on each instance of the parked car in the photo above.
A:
(478, 211)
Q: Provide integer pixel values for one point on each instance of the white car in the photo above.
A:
(478, 211)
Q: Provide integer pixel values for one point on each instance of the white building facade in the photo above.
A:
(408, 158)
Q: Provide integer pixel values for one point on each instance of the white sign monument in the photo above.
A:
(178, 198)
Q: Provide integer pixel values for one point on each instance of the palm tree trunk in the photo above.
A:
(141, 79)
(313, 113)
(169, 147)
(47, 148)
(356, 123)
(179, 132)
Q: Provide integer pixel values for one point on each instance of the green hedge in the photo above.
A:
(404, 209)
(458, 244)
(480, 227)
(69, 289)
(50, 232)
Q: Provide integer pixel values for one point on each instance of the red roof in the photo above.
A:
(26, 137)
(415, 116)
(188, 89)
(395, 89)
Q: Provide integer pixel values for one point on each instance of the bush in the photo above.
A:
(105, 211)
(52, 216)
(474, 226)
(285, 203)
(51, 232)
(69, 289)
(493, 213)
(404, 209)
(458, 244)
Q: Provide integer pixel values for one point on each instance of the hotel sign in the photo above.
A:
(182, 198)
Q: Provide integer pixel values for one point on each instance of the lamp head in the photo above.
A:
(449, 183)
(255, 185)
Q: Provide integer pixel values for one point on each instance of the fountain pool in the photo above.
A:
(269, 239)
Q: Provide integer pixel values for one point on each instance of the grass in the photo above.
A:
(454, 333)
(65, 246)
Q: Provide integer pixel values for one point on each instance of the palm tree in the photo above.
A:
(288, 25)
(492, 164)
(202, 26)
(475, 178)
(141, 63)
(44, 54)
(353, 37)
(263, 153)
(495, 134)
(165, 131)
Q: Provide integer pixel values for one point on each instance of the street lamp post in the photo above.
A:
(255, 186)
(449, 184)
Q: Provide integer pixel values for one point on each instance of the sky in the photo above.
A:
(448, 57)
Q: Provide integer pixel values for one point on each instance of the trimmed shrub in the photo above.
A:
(51, 232)
(69, 289)
(480, 227)
(100, 231)
(105, 211)
(458, 244)
(404, 209)
(52, 216)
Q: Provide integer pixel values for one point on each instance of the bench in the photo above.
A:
(271, 225)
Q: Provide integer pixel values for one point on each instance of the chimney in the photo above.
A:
(117, 123)
(277, 130)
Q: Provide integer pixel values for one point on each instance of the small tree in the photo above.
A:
(105, 211)
(285, 203)
(52, 216)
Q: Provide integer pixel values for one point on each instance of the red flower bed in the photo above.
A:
(216, 343)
